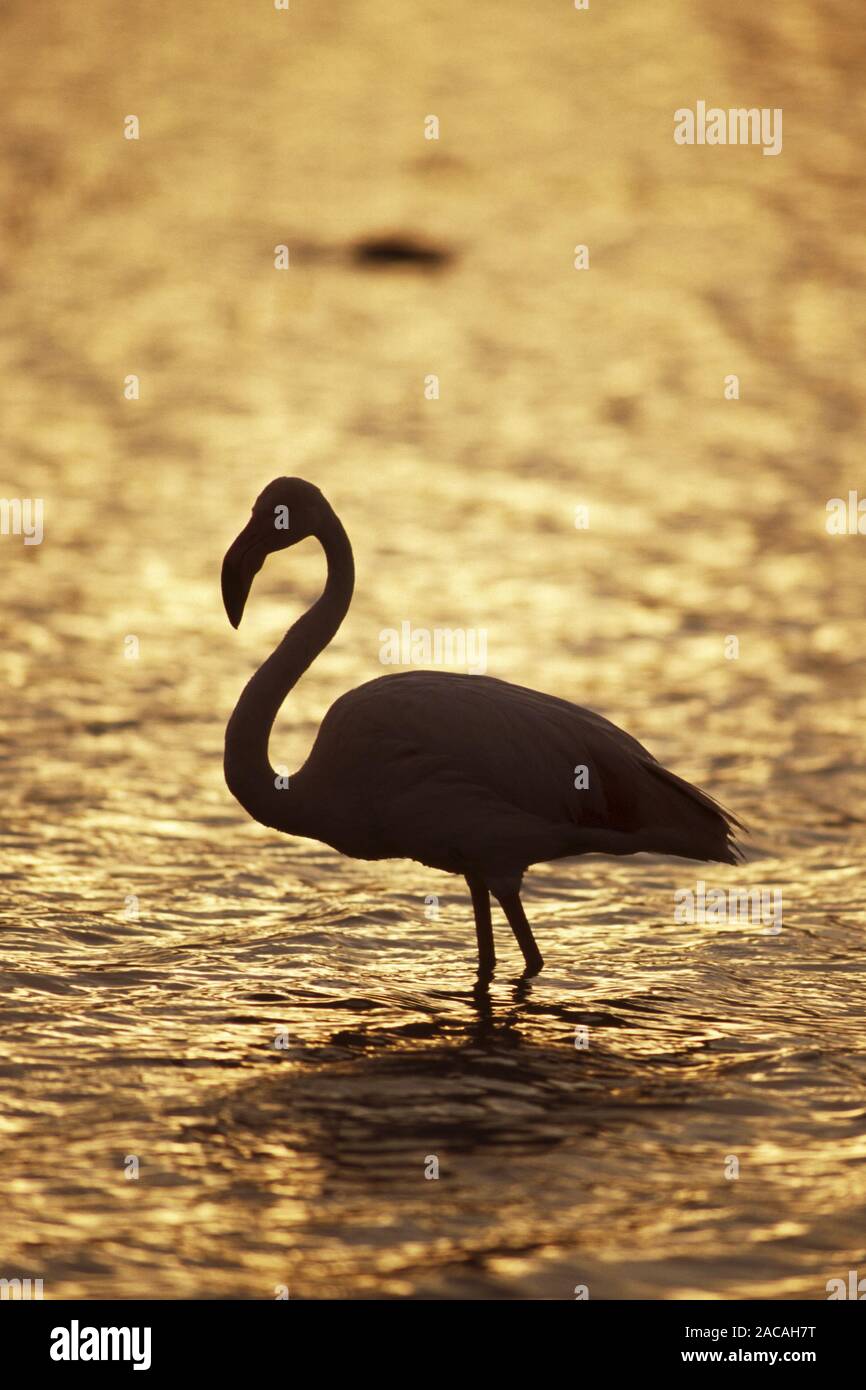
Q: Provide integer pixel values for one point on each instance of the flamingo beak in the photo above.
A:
(243, 560)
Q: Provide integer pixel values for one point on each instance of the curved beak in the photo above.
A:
(243, 560)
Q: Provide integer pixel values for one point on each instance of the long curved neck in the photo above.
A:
(248, 771)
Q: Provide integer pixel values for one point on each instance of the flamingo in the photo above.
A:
(463, 773)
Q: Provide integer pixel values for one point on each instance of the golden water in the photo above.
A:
(153, 1036)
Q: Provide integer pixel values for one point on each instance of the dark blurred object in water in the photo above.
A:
(399, 249)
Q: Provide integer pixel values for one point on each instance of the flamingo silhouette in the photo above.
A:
(463, 773)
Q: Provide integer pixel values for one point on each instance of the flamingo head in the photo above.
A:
(287, 511)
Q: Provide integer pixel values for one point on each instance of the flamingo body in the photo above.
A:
(474, 775)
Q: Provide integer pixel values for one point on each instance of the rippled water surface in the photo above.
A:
(153, 1035)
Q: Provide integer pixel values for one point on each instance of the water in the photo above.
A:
(153, 1037)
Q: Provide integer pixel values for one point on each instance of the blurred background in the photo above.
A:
(154, 940)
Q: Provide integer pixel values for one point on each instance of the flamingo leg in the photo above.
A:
(483, 925)
(507, 893)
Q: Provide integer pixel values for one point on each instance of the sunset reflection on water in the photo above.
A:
(152, 1035)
